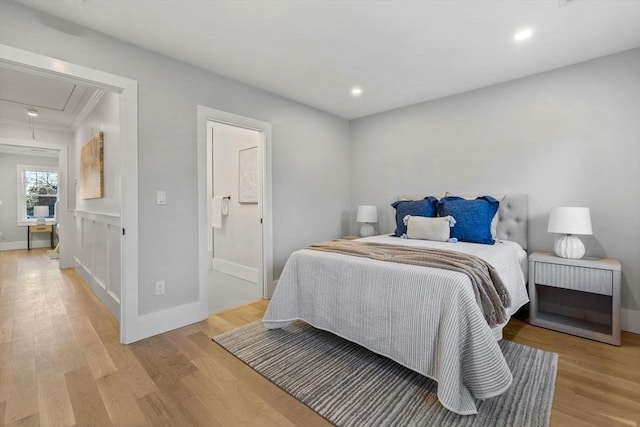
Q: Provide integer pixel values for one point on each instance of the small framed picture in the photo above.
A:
(248, 175)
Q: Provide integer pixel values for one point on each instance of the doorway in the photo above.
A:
(31, 62)
(234, 198)
(236, 215)
(17, 208)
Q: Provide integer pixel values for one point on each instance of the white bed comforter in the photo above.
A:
(424, 318)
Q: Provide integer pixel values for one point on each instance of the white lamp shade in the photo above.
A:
(570, 220)
(40, 211)
(367, 213)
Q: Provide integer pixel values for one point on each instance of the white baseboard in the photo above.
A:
(236, 270)
(166, 320)
(35, 244)
(630, 320)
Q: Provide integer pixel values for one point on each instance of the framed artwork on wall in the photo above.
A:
(92, 168)
(248, 175)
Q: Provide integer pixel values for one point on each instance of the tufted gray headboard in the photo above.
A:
(513, 219)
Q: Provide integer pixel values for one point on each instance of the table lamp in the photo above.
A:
(570, 221)
(40, 212)
(368, 215)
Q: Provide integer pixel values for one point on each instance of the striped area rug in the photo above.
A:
(351, 386)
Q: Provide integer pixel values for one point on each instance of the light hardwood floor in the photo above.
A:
(61, 364)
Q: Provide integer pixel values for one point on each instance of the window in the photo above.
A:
(37, 186)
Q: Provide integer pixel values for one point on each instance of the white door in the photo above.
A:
(236, 221)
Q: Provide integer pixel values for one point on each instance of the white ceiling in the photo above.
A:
(59, 103)
(399, 52)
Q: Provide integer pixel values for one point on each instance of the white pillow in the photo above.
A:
(426, 228)
(494, 220)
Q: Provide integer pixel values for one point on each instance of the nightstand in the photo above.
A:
(38, 229)
(350, 237)
(576, 296)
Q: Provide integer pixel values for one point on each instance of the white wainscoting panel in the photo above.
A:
(97, 255)
(114, 281)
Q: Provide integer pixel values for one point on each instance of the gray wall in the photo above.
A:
(310, 150)
(569, 137)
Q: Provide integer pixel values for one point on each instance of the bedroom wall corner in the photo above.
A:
(567, 137)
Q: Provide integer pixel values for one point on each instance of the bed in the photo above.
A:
(437, 330)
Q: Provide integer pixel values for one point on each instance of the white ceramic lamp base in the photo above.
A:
(569, 246)
(367, 230)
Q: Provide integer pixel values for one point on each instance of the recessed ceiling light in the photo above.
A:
(522, 35)
(32, 112)
(356, 91)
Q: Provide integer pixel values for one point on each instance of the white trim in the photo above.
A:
(236, 270)
(30, 151)
(27, 222)
(165, 320)
(128, 89)
(205, 114)
(35, 244)
(630, 320)
(88, 108)
(110, 219)
(107, 298)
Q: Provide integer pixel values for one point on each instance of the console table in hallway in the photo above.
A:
(38, 229)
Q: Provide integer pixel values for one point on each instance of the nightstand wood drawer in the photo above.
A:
(582, 279)
(41, 228)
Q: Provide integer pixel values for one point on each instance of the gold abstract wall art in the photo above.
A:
(92, 168)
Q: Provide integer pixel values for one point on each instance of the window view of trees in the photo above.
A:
(41, 189)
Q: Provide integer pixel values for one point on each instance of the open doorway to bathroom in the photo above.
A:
(234, 176)
(236, 214)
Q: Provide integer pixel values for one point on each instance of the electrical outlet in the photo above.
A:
(160, 287)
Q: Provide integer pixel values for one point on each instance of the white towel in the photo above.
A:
(216, 211)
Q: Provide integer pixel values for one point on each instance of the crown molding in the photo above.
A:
(88, 108)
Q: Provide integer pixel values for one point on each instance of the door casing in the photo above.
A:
(130, 328)
(206, 117)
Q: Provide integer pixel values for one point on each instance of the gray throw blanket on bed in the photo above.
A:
(491, 295)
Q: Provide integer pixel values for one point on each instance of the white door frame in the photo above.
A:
(128, 90)
(204, 170)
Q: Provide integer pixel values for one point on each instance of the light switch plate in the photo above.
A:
(161, 197)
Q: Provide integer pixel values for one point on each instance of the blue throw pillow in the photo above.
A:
(473, 217)
(425, 207)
